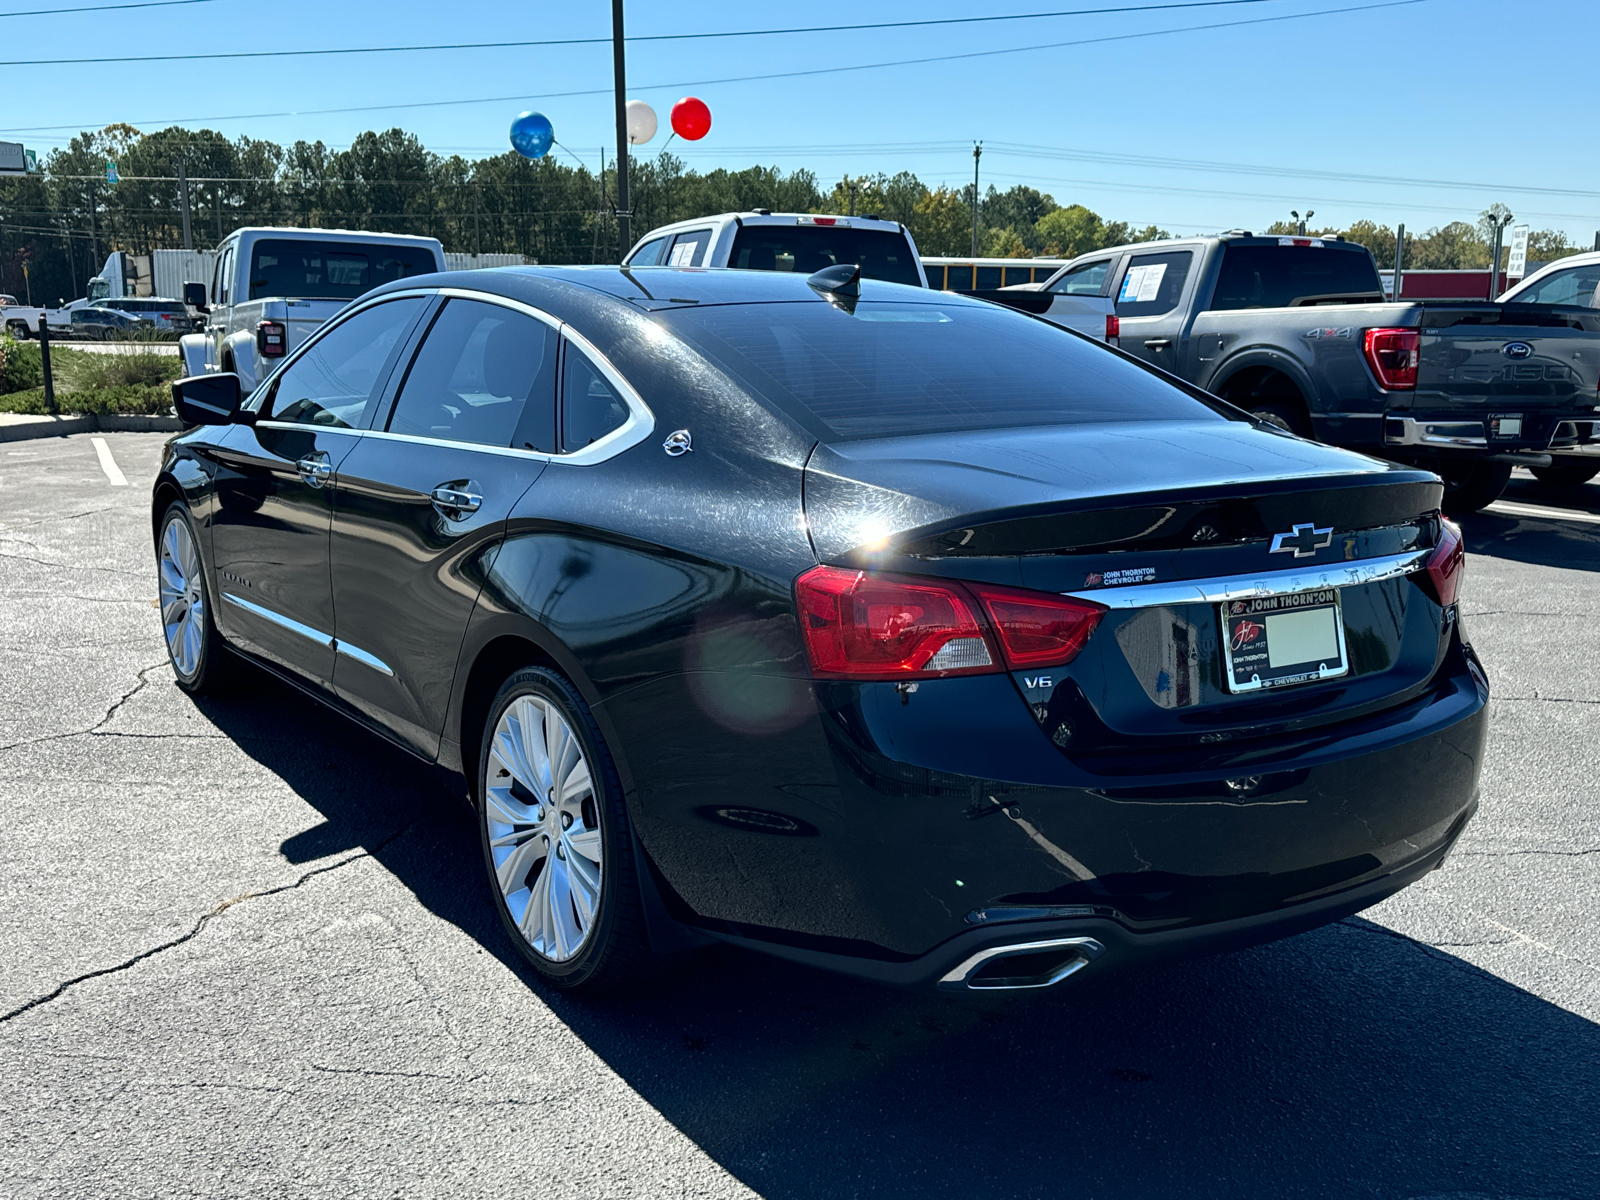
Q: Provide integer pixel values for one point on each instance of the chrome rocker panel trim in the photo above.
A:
(314, 635)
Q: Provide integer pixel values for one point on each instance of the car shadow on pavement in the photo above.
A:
(1350, 1061)
(1540, 541)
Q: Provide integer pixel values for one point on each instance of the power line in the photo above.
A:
(100, 8)
(798, 74)
(596, 41)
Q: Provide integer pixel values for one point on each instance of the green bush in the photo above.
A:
(83, 371)
(20, 368)
(136, 399)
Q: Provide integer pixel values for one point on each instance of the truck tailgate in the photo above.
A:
(1486, 357)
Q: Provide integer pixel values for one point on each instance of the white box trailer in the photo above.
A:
(174, 268)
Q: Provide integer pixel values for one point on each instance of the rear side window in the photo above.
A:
(1294, 276)
(1576, 285)
(479, 368)
(1153, 283)
(590, 406)
(649, 254)
(688, 249)
(809, 248)
(343, 371)
(893, 369)
(1085, 279)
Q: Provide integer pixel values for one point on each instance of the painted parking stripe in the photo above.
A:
(1511, 509)
(109, 464)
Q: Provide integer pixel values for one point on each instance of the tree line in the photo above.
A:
(60, 223)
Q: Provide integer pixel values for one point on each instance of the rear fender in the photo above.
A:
(195, 350)
(1232, 366)
(240, 348)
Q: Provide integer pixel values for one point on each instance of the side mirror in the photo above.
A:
(208, 399)
(194, 295)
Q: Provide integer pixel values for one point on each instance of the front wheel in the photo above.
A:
(1566, 474)
(556, 838)
(199, 659)
(1470, 486)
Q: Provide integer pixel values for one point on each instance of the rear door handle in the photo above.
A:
(450, 501)
(1157, 343)
(314, 468)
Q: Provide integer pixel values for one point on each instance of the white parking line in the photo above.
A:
(1510, 508)
(109, 464)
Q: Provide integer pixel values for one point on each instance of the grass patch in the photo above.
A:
(135, 399)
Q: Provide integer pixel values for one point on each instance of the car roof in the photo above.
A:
(1587, 258)
(654, 288)
(829, 220)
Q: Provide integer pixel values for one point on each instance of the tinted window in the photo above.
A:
(1288, 276)
(340, 374)
(590, 407)
(809, 248)
(988, 278)
(480, 365)
(1153, 283)
(330, 270)
(649, 254)
(688, 249)
(898, 368)
(1086, 279)
(1576, 285)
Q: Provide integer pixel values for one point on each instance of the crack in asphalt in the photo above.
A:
(194, 931)
(1509, 853)
(102, 722)
(44, 562)
(1538, 699)
(374, 1074)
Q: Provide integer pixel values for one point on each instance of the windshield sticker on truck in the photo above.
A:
(1142, 284)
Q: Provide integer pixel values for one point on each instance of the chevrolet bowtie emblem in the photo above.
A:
(1302, 540)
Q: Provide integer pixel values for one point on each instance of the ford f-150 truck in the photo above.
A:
(1296, 330)
(271, 288)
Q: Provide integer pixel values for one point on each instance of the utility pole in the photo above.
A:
(94, 235)
(619, 61)
(477, 225)
(216, 203)
(183, 194)
(1399, 254)
(850, 185)
(977, 153)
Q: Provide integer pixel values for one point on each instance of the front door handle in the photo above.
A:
(452, 501)
(1157, 343)
(314, 468)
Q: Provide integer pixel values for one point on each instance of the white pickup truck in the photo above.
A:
(22, 320)
(761, 240)
(271, 288)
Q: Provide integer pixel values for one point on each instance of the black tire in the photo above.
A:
(1566, 474)
(615, 952)
(214, 667)
(1284, 416)
(1471, 486)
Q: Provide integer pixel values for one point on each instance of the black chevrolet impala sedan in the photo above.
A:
(883, 630)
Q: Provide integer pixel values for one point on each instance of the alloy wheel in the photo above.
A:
(183, 604)
(544, 828)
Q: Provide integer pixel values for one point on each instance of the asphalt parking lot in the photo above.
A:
(247, 953)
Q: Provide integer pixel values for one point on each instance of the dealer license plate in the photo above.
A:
(1279, 641)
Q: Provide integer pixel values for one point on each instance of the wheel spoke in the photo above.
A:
(585, 843)
(512, 870)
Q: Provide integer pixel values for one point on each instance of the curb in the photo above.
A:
(29, 427)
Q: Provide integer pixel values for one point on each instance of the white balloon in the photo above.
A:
(641, 122)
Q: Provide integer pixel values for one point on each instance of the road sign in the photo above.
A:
(1517, 264)
(111, 171)
(33, 161)
(13, 160)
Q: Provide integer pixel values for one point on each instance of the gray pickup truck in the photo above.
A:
(1296, 330)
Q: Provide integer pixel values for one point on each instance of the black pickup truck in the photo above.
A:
(1296, 330)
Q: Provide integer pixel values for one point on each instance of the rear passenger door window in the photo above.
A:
(688, 249)
(591, 406)
(1153, 283)
(485, 374)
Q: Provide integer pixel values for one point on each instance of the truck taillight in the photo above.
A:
(1392, 355)
(861, 626)
(272, 339)
(1113, 326)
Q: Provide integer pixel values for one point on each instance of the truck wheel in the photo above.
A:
(1471, 486)
(1566, 474)
(19, 330)
(1284, 416)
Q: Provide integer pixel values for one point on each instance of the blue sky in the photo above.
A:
(1193, 131)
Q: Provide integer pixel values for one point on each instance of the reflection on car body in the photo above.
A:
(914, 561)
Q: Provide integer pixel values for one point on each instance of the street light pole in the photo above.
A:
(1499, 225)
(619, 56)
(977, 153)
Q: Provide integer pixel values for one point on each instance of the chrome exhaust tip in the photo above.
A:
(1022, 965)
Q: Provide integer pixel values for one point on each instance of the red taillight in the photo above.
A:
(1392, 355)
(1448, 562)
(272, 339)
(1038, 629)
(861, 626)
(1113, 326)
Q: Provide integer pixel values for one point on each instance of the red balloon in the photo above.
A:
(691, 119)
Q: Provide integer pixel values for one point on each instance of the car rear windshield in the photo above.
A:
(893, 369)
(330, 270)
(1292, 276)
(809, 248)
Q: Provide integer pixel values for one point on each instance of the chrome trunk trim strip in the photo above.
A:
(1250, 587)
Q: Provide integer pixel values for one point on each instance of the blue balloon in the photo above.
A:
(531, 135)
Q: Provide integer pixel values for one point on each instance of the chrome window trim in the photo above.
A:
(293, 626)
(641, 420)
(1251, 587)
